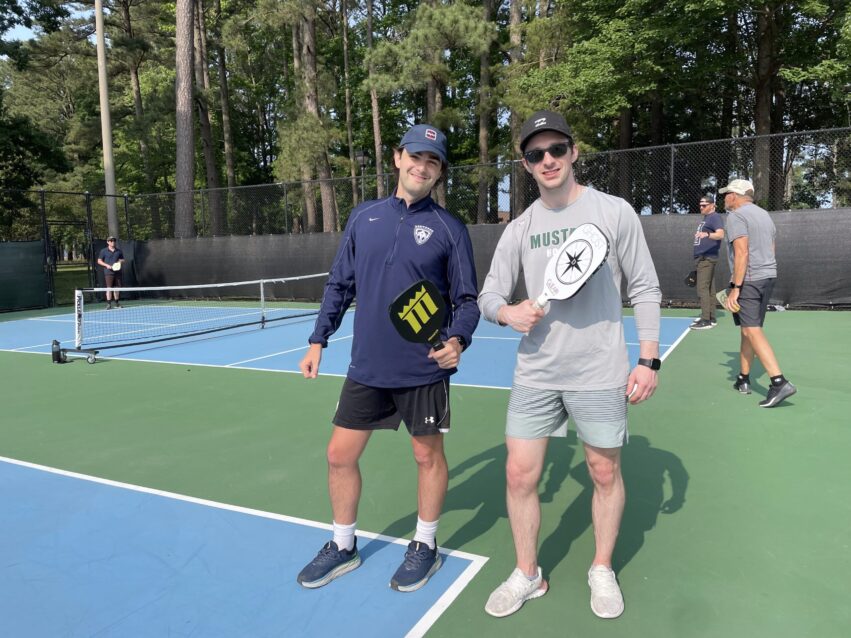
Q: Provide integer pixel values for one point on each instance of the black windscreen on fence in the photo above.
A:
(24, 281)
(813, 254)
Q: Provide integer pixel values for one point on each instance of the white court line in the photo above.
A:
(25, 348)
(54, 319)
(674, 345)
(275, 354)
(422, 626)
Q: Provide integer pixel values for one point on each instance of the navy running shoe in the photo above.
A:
(742, 386)
(777, 393)
(420, 563)
(329, 563)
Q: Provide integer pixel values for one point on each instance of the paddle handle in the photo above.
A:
(540, 302)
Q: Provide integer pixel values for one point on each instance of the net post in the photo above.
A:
(78, 319)
(262, 303)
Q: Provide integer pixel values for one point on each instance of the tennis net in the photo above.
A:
(160, 313)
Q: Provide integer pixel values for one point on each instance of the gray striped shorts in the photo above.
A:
(599, 415)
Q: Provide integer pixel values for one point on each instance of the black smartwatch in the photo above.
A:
(732, 285)
(653, 364)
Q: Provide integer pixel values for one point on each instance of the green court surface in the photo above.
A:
(738, 519)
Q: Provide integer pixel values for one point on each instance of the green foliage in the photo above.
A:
(682, 70)
(410, 63)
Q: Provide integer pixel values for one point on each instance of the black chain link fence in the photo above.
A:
(804, 170)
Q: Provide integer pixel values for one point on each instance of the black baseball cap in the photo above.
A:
(543, 121)
(110, 238)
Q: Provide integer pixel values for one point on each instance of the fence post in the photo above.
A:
(49, 256)
(90, 247)
(287, 228)
(671, 180)
(44, 229)
(127, 216)
(203, 214)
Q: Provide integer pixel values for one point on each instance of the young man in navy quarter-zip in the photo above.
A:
(388, 245)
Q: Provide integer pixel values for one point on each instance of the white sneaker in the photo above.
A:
(606, 597)
(510, 596)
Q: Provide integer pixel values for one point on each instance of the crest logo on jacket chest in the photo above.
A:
(421, 234)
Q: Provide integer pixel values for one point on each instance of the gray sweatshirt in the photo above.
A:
(579, 344)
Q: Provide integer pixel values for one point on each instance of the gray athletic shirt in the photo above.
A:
(753, 222)
(579, 344)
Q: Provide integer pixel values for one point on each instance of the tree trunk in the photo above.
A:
(218, 223)
(519, 181)
(224, 97)
(311, 105)
(376, 114)
(138, 116)
(184, 216)
(766, 39)
(353, 167)
(484, 122)
(728, 101)
(306, 173)
(777, 178)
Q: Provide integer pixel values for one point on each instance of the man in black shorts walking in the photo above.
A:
(388, 245)
(751, 235)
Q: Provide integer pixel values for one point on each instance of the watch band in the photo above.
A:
(461, 341)
(653, 364)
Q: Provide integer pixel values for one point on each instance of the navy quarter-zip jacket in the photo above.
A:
(386, 247)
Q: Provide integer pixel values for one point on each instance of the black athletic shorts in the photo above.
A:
(753, 302)
(424, 408)
(112, 279)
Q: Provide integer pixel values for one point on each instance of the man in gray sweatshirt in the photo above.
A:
(572, 359)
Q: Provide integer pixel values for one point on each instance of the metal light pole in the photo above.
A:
(362, 158)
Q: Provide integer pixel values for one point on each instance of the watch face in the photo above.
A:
(574, 262)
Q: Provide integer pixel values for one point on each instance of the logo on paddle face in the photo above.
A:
(421, 234)
(419, 310)
(574, 261)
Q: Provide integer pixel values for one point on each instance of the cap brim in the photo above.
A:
(543, 129)
(419, 147)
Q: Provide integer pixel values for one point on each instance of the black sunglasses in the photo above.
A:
(559, 149)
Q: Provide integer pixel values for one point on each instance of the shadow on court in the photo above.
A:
(645, 469)
(482, 491)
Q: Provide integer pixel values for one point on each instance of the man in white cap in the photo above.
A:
(751, 234)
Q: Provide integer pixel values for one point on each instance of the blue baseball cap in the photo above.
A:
(424, 138)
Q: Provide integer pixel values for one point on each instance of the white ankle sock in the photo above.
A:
(426, 532)
(344, 535)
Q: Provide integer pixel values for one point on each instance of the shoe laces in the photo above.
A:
(416, 555)
(603, 582)
(518, 584)
(327, 554)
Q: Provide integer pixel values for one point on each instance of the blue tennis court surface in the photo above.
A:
(86, 557)
(280, 346)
